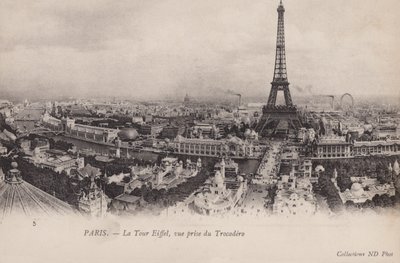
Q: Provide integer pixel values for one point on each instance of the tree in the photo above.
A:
(113, 190)
(329, 190)
(377, 200)
(365, 137)
(344, 182)
(382, 200)
(47, 180)
(384, 177)
(386, 200)
(351, 206)
(368, 204)
(126, 179)
(136, 192)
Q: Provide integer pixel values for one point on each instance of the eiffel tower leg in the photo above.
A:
(272, 97)
(288, 98)
(291, 123)
(265, 122)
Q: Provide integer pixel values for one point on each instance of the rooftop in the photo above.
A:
(127, 198)
(376, 143)
(24, 198)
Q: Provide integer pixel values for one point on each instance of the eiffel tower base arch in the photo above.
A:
(278, 121)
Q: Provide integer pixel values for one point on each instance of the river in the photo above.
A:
(245, 166)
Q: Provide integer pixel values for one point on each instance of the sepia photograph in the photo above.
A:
(207, 131)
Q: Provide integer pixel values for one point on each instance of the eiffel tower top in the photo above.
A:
(281, 8)
(280, 73)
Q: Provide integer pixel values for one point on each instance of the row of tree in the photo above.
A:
(57, 184)
(327, 189)
(60, 145)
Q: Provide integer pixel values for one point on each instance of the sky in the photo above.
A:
(156, 48)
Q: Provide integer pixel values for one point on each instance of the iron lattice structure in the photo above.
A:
(272, 113)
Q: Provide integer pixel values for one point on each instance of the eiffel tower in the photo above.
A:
(279, 118)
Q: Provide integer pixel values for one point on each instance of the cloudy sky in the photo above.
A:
(151, 48)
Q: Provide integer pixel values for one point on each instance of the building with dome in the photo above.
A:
(128, 134)
(186, 100)
(18, 197)
(363, 189)
(221, 194)
(294, 197)
(356, 193)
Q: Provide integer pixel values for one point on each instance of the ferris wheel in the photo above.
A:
(347, 102)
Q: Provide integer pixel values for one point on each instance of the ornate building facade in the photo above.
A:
(233, 147)
(80, 131)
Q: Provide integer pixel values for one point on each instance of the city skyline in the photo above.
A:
(155, 50)
(144, 129)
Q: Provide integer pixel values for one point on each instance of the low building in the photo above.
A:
(35, 147)
(150, 129)
(388, 147)
(85, 171)
(55, 160)
(169, 132)
(137, 119)
(125, 203)
(387, 131)
(332, 147)
(80, 131)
